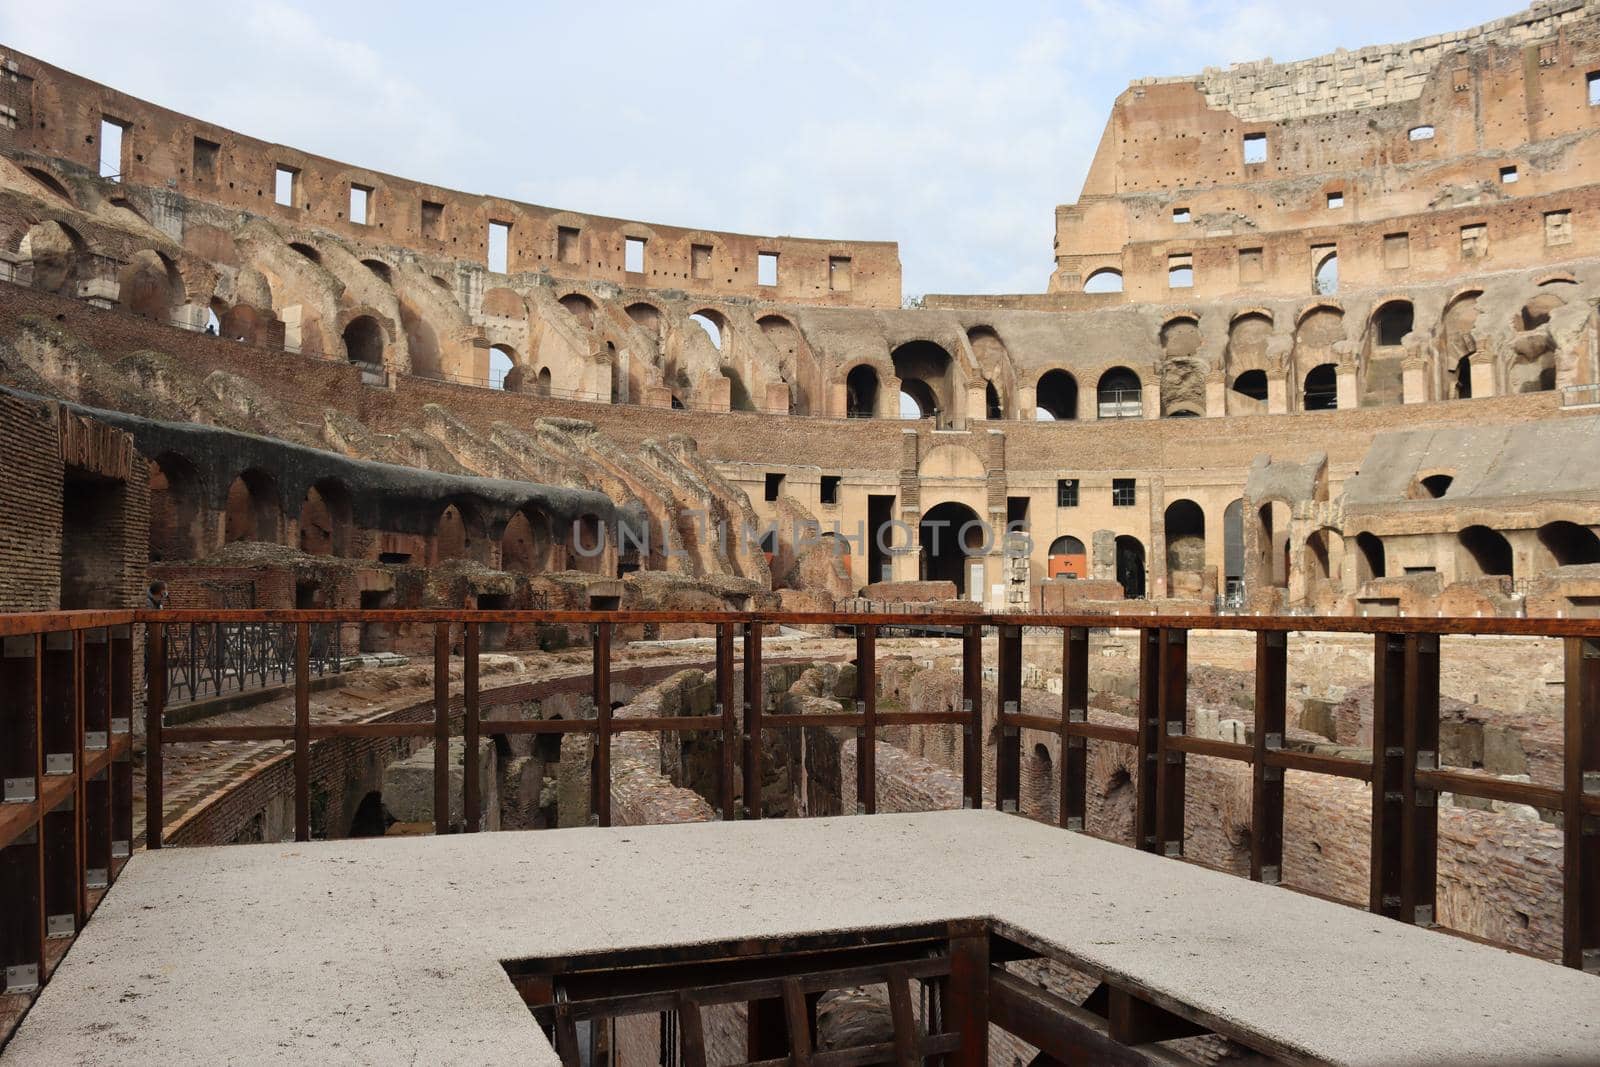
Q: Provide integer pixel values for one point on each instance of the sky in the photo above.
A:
(952, 128)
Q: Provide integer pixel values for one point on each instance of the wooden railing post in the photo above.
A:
(302, 731)
(867, 708)
(441, 727)
(728, 761)
(1266, 796)
(155, 702)
(1388, 774)
(965, 995)
(122, 727)
(1172, 710)
(1580, 942)
(1008, 754)
(1420, 832)
(600, 764)
(471, 787)
(1074, 805)
(22, 918)
(1145, 835)
(95, 661)
(755, 698)
(972, 728)
(63, 758)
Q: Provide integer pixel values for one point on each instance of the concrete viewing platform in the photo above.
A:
(385, 951)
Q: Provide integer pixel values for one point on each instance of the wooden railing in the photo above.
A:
(65, 687)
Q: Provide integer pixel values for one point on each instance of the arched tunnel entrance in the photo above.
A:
(953, 541)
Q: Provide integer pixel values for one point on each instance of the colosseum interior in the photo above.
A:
(1264, 537)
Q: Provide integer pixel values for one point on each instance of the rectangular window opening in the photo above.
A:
(360, 201)
(1592, 79)
(1123, 493)
(839, 273)
(1508, 175)
(1335, 201)
(633, 255)
(1066, 492)
(499, 247)
(766, 268)
(285, 185)
(567, 244)
(830, 488)
(205, 159)
(111, 132)
(1180, 271)
(432, 219)
(1255, 148)
(774, 486)
(700, 262)
(1180, 214)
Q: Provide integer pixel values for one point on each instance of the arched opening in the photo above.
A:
(1272, 543)
(306, 250)
(1370, 559)
(588, 545)
(950, 534)
(1251, 386)
(714, 325)
(647, 317)
(458, 534)
(54, 251)
(380, 268)
(579, 307)
(1324, 560)
(917, 401)
(1321, 389)
(1391, 322)
(525, 545)
(1056, 397)
(1432, 487)
(325, 519)
(1104, 280)
(1463, 378)
(175, 508)
(1186, 549)
(1039, 785)
(542, 380)
(363, 341)
(1233, 552)
(214, 315)
(1325, 277)
(1130, 566)
(49, 183)
(1484, 553)
(502, 361)
(1119, 395)
(861, 392)
(149, 286)
(1067, 559)
(991, 402)
(1569, 544)
(924, 372)
(252, 509)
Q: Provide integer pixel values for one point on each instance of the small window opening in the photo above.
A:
(830, 488)
(111, 149)
(499, 246)
(774, 485)
(360, 198)
(432, 219)
(1592, 79)
(1421, 133)
(1180, 272)
(1123, 493)
(766, 268)
(1066, 492)
(1255, 148)
(633, 255)
(839, 273)
(1508, 175)
(1335, 201)
(284, 181)
(1180, 214)
(700, 262)
(205, 159)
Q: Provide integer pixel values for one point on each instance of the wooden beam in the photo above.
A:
(755, 698)
(1145, 831)
(867, 708)
(1420, 824)
(1172, 711)
(441, 727)
(798, 1019)
(1580, 943)
(471, 786)
(691, 1034)
(728, 720)
(1073, 808)
(1134, 1021)
(1266, 781)
(600, 764)
(1008, 753)
(1067, 1032)
(302, 731)
(965, 1008)
(1388, 774)
(972, 707)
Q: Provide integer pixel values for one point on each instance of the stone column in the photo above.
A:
(1348, 388)
(1277, 395)
(1156, 557)
(1413, 381)
(1482, 377)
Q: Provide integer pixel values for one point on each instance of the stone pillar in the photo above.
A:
(1150, 394)
(1277, 395)
(1103, 555)
(777, 401)
(1348, 390)
(1413, 382)
(1027, 402)
(1216, 397)
(977, 403)
(1482, 376)
(889, 398)
(1156, 558)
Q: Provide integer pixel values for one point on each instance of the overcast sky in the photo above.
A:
(952, 128)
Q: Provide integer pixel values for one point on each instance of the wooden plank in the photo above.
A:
(1133, 1020)
(1145, 803)
(903, 1018)
(471, 787)
(1479, 784)
(798, 1019)
(567, 1038)
(302, 732)
(1008, 753)
(441, 728)
(1104, 731)
(867, 733)
(846, 719)
(972, 708)
(755, 699)
(1388, 774)
(1266, 780)
(1172, 711)
(691, 1033)
(1073, 807)
(1420, 822)
(1317, 763)
(600, 763)
(965, 1007)
(1063, 1030)
(155, 704)
(1191, 745)
(1580, 941)
(728, 722)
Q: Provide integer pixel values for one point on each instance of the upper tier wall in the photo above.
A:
(1361, 144)
(52, 112)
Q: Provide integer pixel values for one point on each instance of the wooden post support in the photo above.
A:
(965, 1007)
(1172, 710)
(1074, 806)
(471, 787)
(154, 708)
(122, 726)
(1580, 943)
(691, 1033)
(972, 705)
(755, 698)
(867, 708)
(1008, 754)
(441, 727)
(22, 856)
(728, 763)
(1266, 796)
(1144, 806)
(1420, 826)
(302, 731)
(1388, 773)
(600, 764)
(798, 1014)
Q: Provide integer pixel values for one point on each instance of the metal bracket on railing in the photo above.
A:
(1423, 916)
(1427, 760)
(97, 878)
(58, 763)
(861, 809)
(1272, 774)
(1591, 782)
(966, 803)
(966, 705)
(1172, 848)
(1074, 822)
(1009, 806)
(95, 739)
(121, 726)
(1427, 798)
(23, 978)
(1271, 874)
(1274, 742)
(1077, 714)
(59, 926)
(1174, 728)
(20, 791)
(120, 850)
(1011, 707)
